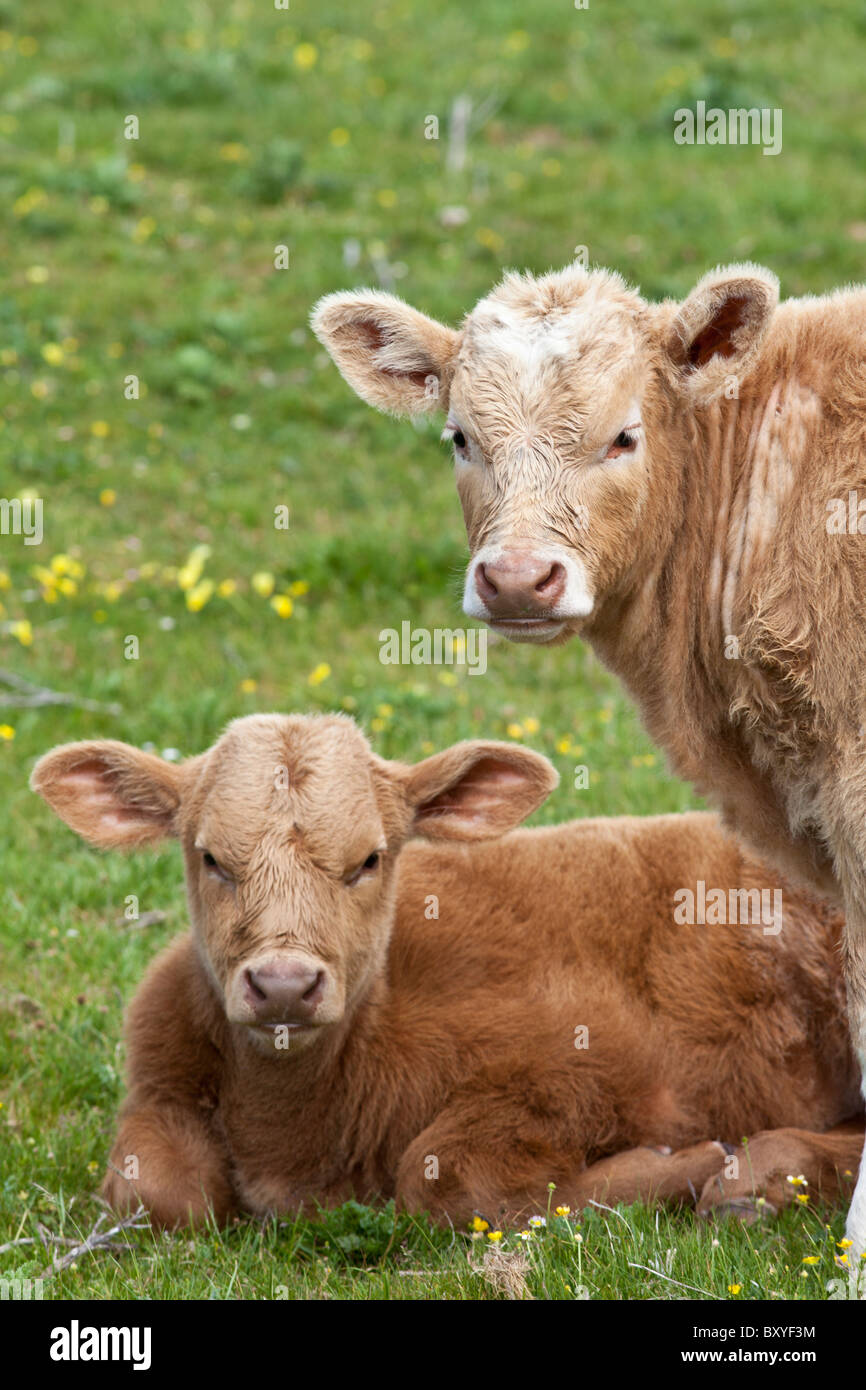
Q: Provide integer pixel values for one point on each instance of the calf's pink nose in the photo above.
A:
(521, 584)
(284, 991)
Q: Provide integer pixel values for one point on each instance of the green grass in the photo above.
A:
(155, 258)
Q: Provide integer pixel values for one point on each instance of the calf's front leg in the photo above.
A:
(165, 1159)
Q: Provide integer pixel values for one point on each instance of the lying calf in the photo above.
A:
(454, 1024)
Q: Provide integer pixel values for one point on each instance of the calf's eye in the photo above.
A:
(370, 864)
(214, 867)
(625, 442)
(456, 436)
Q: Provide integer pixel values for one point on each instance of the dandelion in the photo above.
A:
(514, 730)
(248, 686)
(563, 1211)
(107, 497)
(299, 588)
(23, 631)
(802, 1197)
(734, 1289)
(479, 1224)
(319, 674)
(494, 1235)
(563, 745)
(199, 595)
(490, 240)
(282, 605)
(385, 710)
(306, 55)
(263, 583)
(143, 229)
(7, 733)
(844, 1243)
(53, 353)
(100, 429)
(531, 725)
(190, 573)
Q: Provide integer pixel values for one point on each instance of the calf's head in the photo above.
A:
(291, 827)
(564, 399)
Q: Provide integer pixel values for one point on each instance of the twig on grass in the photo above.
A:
(30, 696)
(97, 1240)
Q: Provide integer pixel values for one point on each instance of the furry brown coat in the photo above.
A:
(456, 1022)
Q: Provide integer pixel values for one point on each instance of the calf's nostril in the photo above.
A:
(485, 584)
(254, 987)
(552, 580)
(314, 993)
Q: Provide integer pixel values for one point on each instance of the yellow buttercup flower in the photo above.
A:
(306, 55)
(198, 596)
(282, 605)
(263, 583)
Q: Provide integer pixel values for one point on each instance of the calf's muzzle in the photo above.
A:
(520, 584)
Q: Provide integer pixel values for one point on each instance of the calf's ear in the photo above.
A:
(718, 332)
(113, 795)
(395, 358)
(477, 790)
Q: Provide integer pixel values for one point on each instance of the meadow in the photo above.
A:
(162, 396)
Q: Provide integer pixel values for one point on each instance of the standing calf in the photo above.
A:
(683, 486)
(456, 1024)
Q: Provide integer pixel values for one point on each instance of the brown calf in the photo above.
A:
(456, 1024)
(684, 486)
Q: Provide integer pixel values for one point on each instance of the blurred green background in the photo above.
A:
(154, 257)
